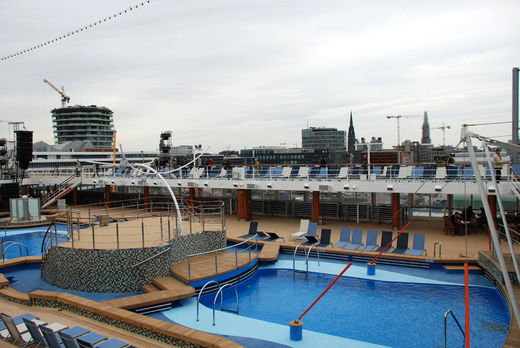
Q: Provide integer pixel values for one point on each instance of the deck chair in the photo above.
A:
(17, 332)
(32, 327)
(112, 343)
(69, 336)
(325, 238)
(418, 244)
(49, 333)
(92, 339)
(253, 225)
(304, 227)
(18, 319)
(311, 240)
(402, 244)
(357, 237)
(386, 238)
(261, 235)
(344, 237)
(273, 236)
(371, 241)
(311, 231)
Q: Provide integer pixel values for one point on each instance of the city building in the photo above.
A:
(84, 123)
(323, 138)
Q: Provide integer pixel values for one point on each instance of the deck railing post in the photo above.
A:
(176, 225)
(236, 258)
(160, 219)
(191, 217)
(189, 270)
(71, 237)
(202, 217)
(117, 234)
(169, 233)
(93, 240)
(216, 264)
(142, 230)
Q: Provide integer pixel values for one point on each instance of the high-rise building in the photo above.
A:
(426, 130)
(84, 123)
(329, 139)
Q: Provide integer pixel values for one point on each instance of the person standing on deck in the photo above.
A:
(497, 164)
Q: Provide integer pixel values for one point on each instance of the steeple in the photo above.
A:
(426, 130)
(351, 140)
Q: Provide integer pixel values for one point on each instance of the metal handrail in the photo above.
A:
(152, 257)
(201, 291)
(221, 249)
(309, 253)
(222, 300)
(10, 244)
(435, 249)
(445, 326)
(294, 257)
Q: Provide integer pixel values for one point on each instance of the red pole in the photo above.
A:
(382, 251)
(323, 293)
(466, 282)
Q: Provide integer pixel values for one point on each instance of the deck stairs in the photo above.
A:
(61, 190)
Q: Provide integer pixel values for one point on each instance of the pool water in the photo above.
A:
(386, 313)
(31, 238)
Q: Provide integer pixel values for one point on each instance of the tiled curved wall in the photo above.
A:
(111, 270)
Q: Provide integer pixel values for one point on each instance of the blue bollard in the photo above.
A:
(371, 269)
(296, 330)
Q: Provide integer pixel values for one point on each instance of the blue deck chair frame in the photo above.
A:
(386, 238)
(402, 244)
(311, 231)
(371, 241)
(344, 237)
(324, 238)
(253, 226)
(418, 244)
(357, 238)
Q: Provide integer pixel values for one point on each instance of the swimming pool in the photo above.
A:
(31, 237)
(396, 308)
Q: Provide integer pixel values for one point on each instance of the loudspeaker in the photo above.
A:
(7, 191)
(24, 148)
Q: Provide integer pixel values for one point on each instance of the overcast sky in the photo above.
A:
(237, 73)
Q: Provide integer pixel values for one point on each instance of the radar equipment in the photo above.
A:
(64, 98)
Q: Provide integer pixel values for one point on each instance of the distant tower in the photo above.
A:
(351, 140)
(426, 130)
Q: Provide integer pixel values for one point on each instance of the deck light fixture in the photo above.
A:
(306, 185)
(390, 187)
(438, 188)
(269, 185)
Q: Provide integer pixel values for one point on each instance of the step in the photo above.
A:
(150, 288)
(269, 252)
(461, 268)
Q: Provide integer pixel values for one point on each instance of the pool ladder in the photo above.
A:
(220, 288)
(307, 255)
(445, 326)
(5, 246)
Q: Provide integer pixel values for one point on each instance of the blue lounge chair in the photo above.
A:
(311, 240)
(253, 225)
(90, 340)
(344, 237)
(112, 343)
(69, 336)
(418, 244)
(18, 319)
(371, 241)
(36, 334)
(386, 238)
(50, 337)
(402, 244)
(324, 238)
(357, 237)
(311, 231)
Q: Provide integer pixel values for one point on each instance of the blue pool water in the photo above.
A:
(31, 237)
(386, 313)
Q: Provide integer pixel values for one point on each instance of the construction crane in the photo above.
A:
(64, 98)
(398, 117)
(443, 128)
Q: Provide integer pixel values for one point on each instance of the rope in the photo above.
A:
(77, 31)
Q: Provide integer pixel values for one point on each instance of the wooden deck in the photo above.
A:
(269, 253)
(203, 266)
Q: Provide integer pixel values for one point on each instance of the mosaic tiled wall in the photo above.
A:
(497, 272)
(113, 271)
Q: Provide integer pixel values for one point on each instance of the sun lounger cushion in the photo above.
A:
(357, 237)
(344, 237)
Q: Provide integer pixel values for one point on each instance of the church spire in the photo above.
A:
(426, 130)
(351, 140)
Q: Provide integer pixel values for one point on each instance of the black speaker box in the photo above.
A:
(24, 148)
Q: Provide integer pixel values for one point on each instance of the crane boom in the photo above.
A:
(64, 98)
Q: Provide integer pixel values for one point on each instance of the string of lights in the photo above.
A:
(77, 31)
